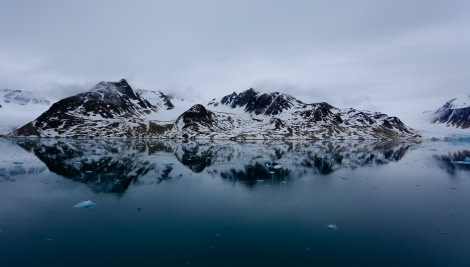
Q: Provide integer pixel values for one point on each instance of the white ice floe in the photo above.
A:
(84, 204)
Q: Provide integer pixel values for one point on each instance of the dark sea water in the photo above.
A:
(210, 203)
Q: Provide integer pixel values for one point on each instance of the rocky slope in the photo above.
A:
(114, 109)
(454, 113)
(110, 109)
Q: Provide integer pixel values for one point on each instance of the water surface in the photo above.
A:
(209, 203)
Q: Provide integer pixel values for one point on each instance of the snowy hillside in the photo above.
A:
(19, 107)
(114, 109)
(454, 113)
(259, 115)
(169, 107)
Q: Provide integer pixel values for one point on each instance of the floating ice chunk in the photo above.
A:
(332, 226)
(277, 167)
(84, 204)
(467, 159)
(260, 180)
(17, 162)
(198, 154)
(167, 163)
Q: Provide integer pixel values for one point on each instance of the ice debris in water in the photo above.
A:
(84, 204)
(332, 226)
(167, 163)
(278, 166)
(467, 159)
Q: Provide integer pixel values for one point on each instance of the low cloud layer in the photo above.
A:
(399, 57)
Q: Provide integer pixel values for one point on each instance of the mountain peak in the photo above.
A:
(20, 97)
(263, 103)
(121, 87)
(123, 82)
(460, 102)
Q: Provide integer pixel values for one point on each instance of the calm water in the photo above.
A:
(164, 203)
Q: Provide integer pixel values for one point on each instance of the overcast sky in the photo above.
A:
(396, 56)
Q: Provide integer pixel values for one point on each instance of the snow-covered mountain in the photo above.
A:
(254, 115)
(109, 109)
(114, 109)
(454, 113)
(18, 107)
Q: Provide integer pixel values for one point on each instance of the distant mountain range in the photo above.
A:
(18, 107)
(454, 113)
(115, 109)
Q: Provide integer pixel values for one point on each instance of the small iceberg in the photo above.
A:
(167, 163)
(332, 226)
(467, 159)
(278, 166)
(85, 204)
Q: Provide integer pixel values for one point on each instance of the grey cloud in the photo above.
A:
(373, 54)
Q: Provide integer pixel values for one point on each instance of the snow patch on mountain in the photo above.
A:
(169, 107)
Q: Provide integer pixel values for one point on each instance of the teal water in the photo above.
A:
(165, 203)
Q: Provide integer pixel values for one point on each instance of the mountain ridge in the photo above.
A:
(115, 109)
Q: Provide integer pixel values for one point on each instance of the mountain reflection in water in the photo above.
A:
(453, 161)
(111, 165)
